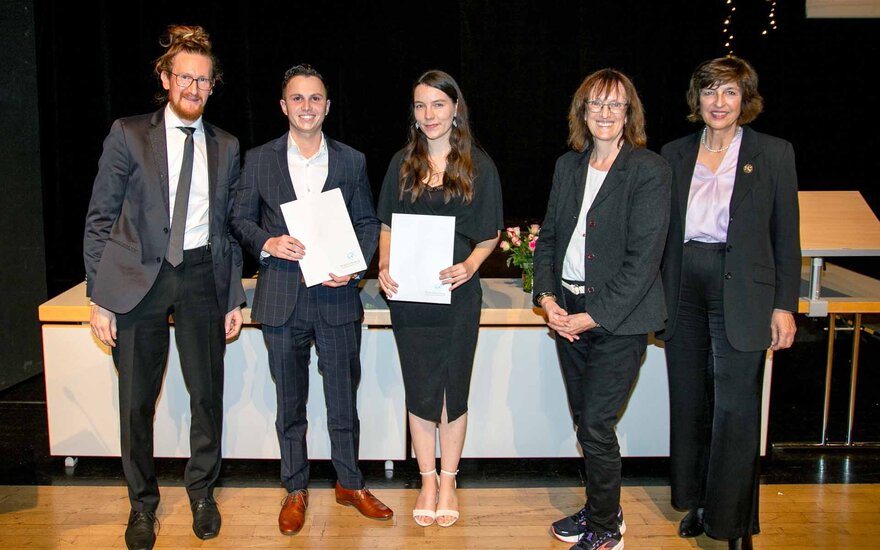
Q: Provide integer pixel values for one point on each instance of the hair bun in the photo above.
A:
(186, 37)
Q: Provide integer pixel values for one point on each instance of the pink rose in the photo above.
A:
(515, 241)
(516, 230)
(532, 245)
(505, 246)
(534, 229)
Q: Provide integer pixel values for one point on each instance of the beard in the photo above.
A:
(186, 110)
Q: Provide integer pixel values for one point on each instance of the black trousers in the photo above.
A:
(599, 371)
(187, 292)
(715, 404)
(339, 363)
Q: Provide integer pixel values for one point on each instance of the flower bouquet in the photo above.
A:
(521, 247)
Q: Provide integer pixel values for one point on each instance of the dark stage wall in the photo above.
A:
(517, 62)
(22, 246)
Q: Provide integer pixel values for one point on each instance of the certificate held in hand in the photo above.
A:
(421, 247)
(322, 223)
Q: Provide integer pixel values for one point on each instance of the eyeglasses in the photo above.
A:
(617, 107)
(185, 80)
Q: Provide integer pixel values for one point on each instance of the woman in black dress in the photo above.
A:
(440, 172)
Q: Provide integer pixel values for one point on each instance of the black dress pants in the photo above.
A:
(187, 292)
(599, 371)
(715, 404)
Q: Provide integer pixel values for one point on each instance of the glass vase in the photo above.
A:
(528, 277)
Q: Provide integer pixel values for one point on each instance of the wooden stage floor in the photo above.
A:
(792, 516)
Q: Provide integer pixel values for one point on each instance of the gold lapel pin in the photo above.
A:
(748, 168)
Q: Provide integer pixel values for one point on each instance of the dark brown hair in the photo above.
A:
(458, 179)
(600, 84)
(189, 39)
(715, 72)
(303, 69)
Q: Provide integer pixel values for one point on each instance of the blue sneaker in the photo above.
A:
(572, 528)
(600, 541)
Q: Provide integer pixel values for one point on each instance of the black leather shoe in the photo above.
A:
(206, 518)
(692, 524)
(744, 543)
(141, 531)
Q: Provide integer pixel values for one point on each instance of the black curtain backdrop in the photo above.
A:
(518, 63)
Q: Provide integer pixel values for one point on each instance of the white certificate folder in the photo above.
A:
(421, 247)
(322, 223)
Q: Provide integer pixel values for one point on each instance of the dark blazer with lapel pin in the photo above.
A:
(257, 216)
(626, 229)
(763, 258)
(128, 222)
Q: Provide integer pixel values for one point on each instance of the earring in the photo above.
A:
(455, 121)
(416, 125)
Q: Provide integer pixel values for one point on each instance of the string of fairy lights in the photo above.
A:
(727, 25)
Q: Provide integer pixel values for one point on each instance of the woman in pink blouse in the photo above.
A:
(731, 275)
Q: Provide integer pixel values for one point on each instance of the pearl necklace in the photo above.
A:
(705, 143)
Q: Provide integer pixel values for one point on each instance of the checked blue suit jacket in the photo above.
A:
(257, 217)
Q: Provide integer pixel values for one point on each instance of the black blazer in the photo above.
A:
(626, 228)
(763, 261)
(127, 225)
(257, 216)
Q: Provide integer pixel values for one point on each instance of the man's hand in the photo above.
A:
(285, 247)
(103, 324)
(337, 281)
(782, 329)
(233, 323)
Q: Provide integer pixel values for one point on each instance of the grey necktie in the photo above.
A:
(181, 200)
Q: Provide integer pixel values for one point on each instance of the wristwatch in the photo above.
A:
(540, 297)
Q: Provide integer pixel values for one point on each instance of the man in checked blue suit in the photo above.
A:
(301, 162)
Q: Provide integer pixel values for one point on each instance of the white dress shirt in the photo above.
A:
(307, 174)
(573, 264)
(197, 231)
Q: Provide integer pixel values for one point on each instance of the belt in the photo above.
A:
(574, 289)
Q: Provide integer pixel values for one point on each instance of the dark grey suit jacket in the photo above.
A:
(257, 217)
(763, 261)
(127, 225)
(626, 228)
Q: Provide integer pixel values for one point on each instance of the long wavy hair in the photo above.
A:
(458, 179)
(189, 39)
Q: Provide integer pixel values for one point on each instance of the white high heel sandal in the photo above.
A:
(431, 514)
(447, 513)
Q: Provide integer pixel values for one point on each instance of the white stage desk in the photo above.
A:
(517, 406)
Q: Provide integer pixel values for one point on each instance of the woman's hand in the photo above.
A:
(782, 329)
(386, 283)
(567, 326)
(458, 274)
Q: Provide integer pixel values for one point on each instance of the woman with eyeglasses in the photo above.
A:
(440, 171)
(731, 272)
(597, 278)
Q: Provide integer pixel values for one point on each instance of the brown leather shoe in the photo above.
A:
(364, 501)
(293, 512)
